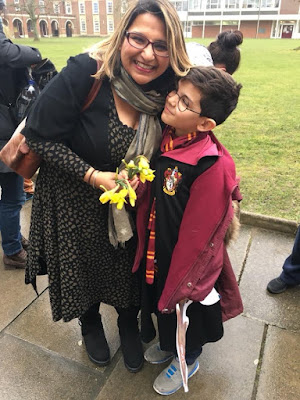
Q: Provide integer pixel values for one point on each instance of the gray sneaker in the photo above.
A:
(154, 354)
(170, 380)
(17, 260)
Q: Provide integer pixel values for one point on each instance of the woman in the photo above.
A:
(224, 51)
(71, 232)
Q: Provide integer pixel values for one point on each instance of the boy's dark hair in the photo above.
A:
(219, 92)
(224, 50)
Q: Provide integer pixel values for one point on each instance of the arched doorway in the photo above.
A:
(18, 28)
(29, 28)
(43, 28)
(54, 28)
(69, 29)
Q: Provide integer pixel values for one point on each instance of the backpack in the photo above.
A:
(43, 72)
(37, 78)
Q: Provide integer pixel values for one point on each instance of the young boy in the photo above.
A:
(195, 184)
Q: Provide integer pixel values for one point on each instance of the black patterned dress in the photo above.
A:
(69, 229)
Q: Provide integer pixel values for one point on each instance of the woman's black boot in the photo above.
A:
(131, 344)
(94, 336)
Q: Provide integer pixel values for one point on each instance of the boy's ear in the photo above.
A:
(206, 124)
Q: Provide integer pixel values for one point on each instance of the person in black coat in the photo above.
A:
(290, 275)
(14, 60)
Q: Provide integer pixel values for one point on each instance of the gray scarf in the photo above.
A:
(145, 142)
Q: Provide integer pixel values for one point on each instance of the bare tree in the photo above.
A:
(34, 8)
(120, 7)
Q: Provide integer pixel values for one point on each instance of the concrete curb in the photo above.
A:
(267, 222)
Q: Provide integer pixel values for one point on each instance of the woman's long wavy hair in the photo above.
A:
(108, 51)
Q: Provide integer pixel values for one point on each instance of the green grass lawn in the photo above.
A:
(263, 133)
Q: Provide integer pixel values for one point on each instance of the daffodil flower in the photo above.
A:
(120, 203)
(131, 168)
(117, 195)
(119, 198)
(131, 194)
(147, 175)
(143, 163)
(107, 195)
(131, 164)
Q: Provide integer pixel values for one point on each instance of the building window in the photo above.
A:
(81, 8)
(109, 7)
(186, 27)
(110, 26)
(82, 25)
(95, 7)
(68, 7)
(181, 5)
(194, 5)
(269, 4)
(232, 3)
(212, 23)
(250, 3)
(42, 6)
(56, 8)
(16, 1)
(213, 4)
(230, 23)
(96, 26)
(96, 23)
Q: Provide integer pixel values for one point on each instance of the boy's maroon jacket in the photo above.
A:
(200, 260)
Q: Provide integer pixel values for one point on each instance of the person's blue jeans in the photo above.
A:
(12, 199)
(291, 267)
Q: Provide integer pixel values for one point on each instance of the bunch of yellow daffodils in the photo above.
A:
(117, 195)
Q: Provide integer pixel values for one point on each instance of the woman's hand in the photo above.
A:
(106, 179)
(96, 178)
(134, 182)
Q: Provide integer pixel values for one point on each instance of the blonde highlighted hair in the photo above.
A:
(108, 51)
(6, 31)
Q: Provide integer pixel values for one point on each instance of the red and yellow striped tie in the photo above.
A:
(150, 265)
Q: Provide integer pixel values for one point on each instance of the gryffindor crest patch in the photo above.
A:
(171, 181)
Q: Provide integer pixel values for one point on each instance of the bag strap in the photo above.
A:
(94, 90)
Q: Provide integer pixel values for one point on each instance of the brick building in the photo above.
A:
(255, 18)
(64, 18)
(200, 18)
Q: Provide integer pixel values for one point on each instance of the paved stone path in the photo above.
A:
(258, 358)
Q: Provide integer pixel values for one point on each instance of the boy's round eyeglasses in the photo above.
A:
(139, 41)
(182, 103)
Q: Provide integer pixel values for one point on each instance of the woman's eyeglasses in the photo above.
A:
(140, 42)
(183, 103)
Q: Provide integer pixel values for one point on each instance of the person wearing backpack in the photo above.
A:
(14, 60)
(37, 76)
